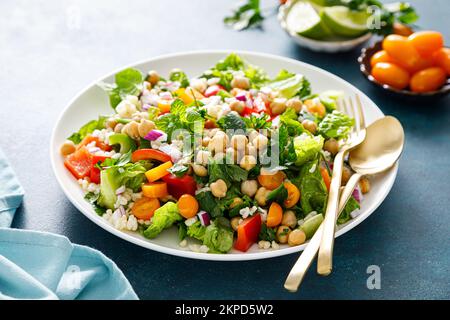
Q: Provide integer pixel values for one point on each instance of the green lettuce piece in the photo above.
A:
(336, 125)
(127, 82)
(88, 128)
(307, 148)
(329, 99)
(180, 76)
(131, 175)
(163, 218)
(296, 85)
(217, 238)
(351, 206)
(312, 188)
(196, 231)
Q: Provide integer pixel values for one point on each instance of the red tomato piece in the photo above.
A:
(79, 163)
(150, 154)
(98, 143)
(177, 186)
(247, 233)
(95, 172)
(213, 90)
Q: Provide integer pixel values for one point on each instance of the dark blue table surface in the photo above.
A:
(52, 49)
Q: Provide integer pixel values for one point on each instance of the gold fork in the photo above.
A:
(302, 265)
(356, 137)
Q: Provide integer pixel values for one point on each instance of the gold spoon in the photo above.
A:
(379, 151)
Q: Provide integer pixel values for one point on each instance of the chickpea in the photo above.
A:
(249, 187)
(346, 174)
(332, 146)
(218, 143)
(283, 233)
(67, 148)
(202, 157)
(239, 142)
(237, 106)
(131, 129)
(219, 157)
(296, 237)
(200, 170)
(251, 150)
(219, 188)
(294, 103)
(261, 196)
(205, 141)
(118, 128)
(152, 77)
(145, 127)
(111, 123)
(213, 132)
(260, 142)
(248, 162)
(278, 105)
(236, 202)
(252, 135)
(364, 184)
(235, 221)
(309, 125)
(289, 219)
(240, 82)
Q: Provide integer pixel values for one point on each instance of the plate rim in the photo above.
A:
(198, 255)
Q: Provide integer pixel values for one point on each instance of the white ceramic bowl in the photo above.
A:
(92, 101)
(318, 45)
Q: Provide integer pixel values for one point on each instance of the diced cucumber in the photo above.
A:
(126, 143)
(311, 225)
(108, 186)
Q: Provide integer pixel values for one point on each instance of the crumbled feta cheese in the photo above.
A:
(189, 222)
(132, 223)
(183, 243)
(199, 84)
(125, 109)
(213, 81)
(204, 249)
(246, 212)
(263, 244)
(355, 213)
(275, 245)
(194, 247)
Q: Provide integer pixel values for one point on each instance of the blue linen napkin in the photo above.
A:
(39, 265)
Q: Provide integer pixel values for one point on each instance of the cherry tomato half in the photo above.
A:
(428, 80)
(391, 74)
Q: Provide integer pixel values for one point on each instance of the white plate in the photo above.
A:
(92, 101)
(318, 45)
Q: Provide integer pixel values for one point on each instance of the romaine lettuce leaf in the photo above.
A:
(336, 125)
(88, 128)
(307, 148)
(218, 238)
(163, 218)
(296, 85)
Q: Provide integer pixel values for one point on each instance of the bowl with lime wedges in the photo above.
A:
(324, 25)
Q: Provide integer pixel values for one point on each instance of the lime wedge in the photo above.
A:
(345, 22)
(325, 3)
(305, 20)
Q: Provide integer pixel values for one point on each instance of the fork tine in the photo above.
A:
(352, 113)
(339, 104)
(361, 112)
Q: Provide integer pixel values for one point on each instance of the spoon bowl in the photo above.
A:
(381, 148)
